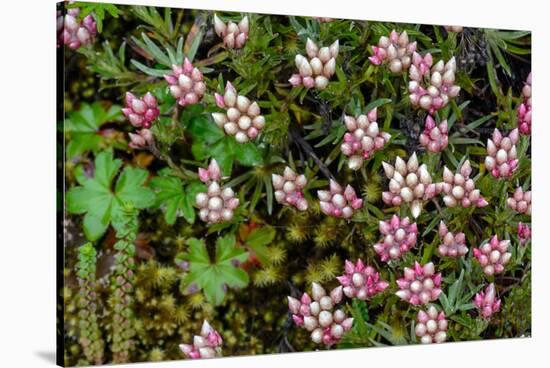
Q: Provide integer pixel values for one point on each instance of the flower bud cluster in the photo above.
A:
(360, 281)
(410, 183)
(141, 111)
(502, 156)
(398, 237)
(453, 245)
(395, 50)
(323, 19)
(242, 118)
(524, 233)
(142, 139)
(73, 33)
(288, 189)
(524, 111)
(318, 69)
(206, 345)
(493, 255)
(435, 138)
(520, 201)
(363, 138)
(338, 202)
(454, 29)
(318, 315)
(459, 189)
(234, 35)
(432, 89)
(487, 301)
(419, 285)
(216, 204)
(186, 83)
(431, 326)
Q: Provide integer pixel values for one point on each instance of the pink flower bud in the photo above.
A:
(398, 237)
(431, 326)
(215, 205)
(337, 202)
(524, 233)
(520, 201)
(487, 302)
(493, 255)
(363, 138)
(207, 345)
(315, 70)
(501, 158)
(361, 282)
(419, 285)
(288, 189)
(233, 35)
(185, 83)
(395, 51)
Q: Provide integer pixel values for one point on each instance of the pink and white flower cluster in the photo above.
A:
(206, 345)
(435, 138)
(186, 83)
(431, 326)
(338, 202)
(74, 33)
(454, 29)
(487, 301)
(217, 204)
(502, 156)
(520, 201)
(360, 281)
(242, 118)
(323, 19)
(453, 245)
(142, 139)
(318, 69)
(289, 189)
(420, 284)
(234, 35)
(459, 189)
(432, 89)
(398, 237)
(317, 314)
(493, 255)
(524, 233)
(395, 50)
(410, 183)
(141, 111)
(524, 110)
(363, 138)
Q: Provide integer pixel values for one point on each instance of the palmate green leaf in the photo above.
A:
(99, 202)
(175, 199)
(259, 239)
(213, 277)
(83, 127)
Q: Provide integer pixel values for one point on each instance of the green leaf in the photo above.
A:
(94, 227)
(259, 239)
(130, 188)
(248, 154)
(174, 199)
(202, 128)
(224, 151)
(213, 277)
(377, 103)
(100, 204)
(83, 127)
(150, 71)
